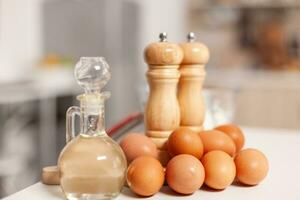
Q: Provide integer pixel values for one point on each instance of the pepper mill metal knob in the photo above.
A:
(162, 114)
(191, 37)
(192, 70)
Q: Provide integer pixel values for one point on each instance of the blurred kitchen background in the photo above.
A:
(253, 76)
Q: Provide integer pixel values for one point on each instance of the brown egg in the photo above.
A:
(217, 140)
(251, 166)
(235, 133)
(219, 169)
(185, 141)
(163, 157)
(137, 144)
(145, 176)
(185, 174)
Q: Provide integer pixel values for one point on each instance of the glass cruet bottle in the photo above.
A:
(92, 165)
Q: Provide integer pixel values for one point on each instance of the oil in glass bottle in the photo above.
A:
(92, 165)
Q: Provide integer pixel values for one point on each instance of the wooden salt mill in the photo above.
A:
(192, 71)
(162, 114)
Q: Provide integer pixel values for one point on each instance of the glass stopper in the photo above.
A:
(92, 73)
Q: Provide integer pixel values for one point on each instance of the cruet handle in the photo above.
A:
(70, 122)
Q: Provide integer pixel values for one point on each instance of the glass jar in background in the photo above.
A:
(219, 105)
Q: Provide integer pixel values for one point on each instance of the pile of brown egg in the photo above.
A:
(214, 158)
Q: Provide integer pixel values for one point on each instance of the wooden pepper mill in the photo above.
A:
(192, 71)
(162, 114)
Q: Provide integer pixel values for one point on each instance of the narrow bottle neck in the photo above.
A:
(92, 123)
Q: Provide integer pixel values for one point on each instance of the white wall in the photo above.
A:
(19, 36)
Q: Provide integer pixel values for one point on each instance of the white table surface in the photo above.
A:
(282, 147)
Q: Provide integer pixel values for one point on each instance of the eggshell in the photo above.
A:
(219, 169)
(137, 144)
(217, 140)
(251, 166)
(185, 141)
(235, 133)
(145, 176)
(185, 174)
(163, 157)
